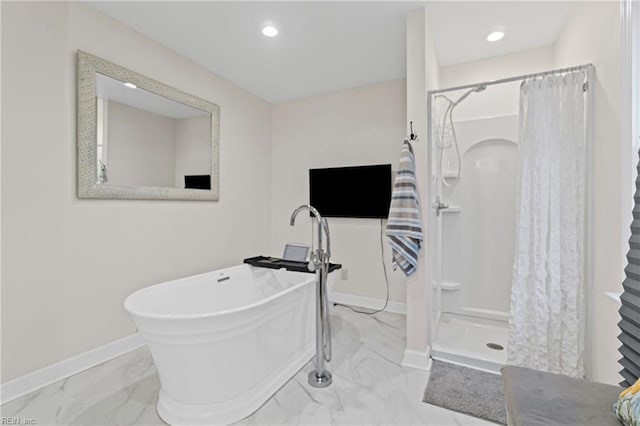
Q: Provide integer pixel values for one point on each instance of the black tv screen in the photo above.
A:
(197, 181)
(361, 191)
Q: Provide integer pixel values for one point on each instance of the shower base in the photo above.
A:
(472, 342)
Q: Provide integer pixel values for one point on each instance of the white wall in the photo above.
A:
(193, 148)
(354, 127)
(68, 263)
(501, 99)
(592, 35)
(141, 147)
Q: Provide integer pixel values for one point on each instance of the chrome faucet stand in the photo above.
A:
(319, 261)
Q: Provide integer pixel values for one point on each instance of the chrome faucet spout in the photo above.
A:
(312, 209)
(322, 227)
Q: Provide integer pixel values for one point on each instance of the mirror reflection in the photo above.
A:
(144, 139)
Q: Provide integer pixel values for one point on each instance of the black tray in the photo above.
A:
(289, 265)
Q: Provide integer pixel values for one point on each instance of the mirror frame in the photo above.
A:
(88, 187)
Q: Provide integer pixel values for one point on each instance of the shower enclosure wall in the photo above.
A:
(472, 290)
(481, 232)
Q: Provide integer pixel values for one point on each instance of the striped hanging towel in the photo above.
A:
(404, 227)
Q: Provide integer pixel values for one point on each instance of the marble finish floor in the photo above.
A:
(370, 387)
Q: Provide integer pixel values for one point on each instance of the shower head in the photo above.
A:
(467, 93)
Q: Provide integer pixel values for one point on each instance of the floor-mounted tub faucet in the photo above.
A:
(319, 261)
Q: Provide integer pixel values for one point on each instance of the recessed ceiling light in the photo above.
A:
(495, 36)
(270, 31)
(131, 85)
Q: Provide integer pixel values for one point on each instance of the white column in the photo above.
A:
(422, 75)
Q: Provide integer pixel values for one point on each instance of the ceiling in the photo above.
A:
(460, 29)
(325, 47)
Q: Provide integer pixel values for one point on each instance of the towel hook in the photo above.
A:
(412, 136)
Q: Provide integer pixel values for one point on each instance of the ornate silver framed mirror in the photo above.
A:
(141, 139)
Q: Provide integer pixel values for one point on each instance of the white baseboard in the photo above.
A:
(45, 376)
(367, 302)
(416, 359)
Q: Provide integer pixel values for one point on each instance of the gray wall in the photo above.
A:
(68, 264)
(193, 155)
(141, 147)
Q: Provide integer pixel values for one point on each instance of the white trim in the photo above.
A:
(416, 359)
(629, 132)
(367, 302)
(1, 171)
(55, 372)
(629, 12)
(589, 219)
(490, 314)
(614, 296)
(469, 362)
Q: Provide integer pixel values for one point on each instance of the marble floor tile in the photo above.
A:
(370, 387)
(98, 383)
(49, 405)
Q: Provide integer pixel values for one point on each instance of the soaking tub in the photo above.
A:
(225, 341)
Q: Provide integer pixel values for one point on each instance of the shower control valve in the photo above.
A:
(315, 260)
(438, 205)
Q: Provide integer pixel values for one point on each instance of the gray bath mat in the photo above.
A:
(465, 390)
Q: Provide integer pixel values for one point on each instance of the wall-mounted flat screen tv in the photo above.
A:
(197, 181)
(359, 192)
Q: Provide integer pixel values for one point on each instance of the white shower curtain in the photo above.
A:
(546, 328)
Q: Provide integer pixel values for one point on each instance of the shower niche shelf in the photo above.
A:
(450, 286)
(447, 175)
(452, 209)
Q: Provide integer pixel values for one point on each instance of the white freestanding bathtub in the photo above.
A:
(225, 341)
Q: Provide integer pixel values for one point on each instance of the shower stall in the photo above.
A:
(474, 192)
